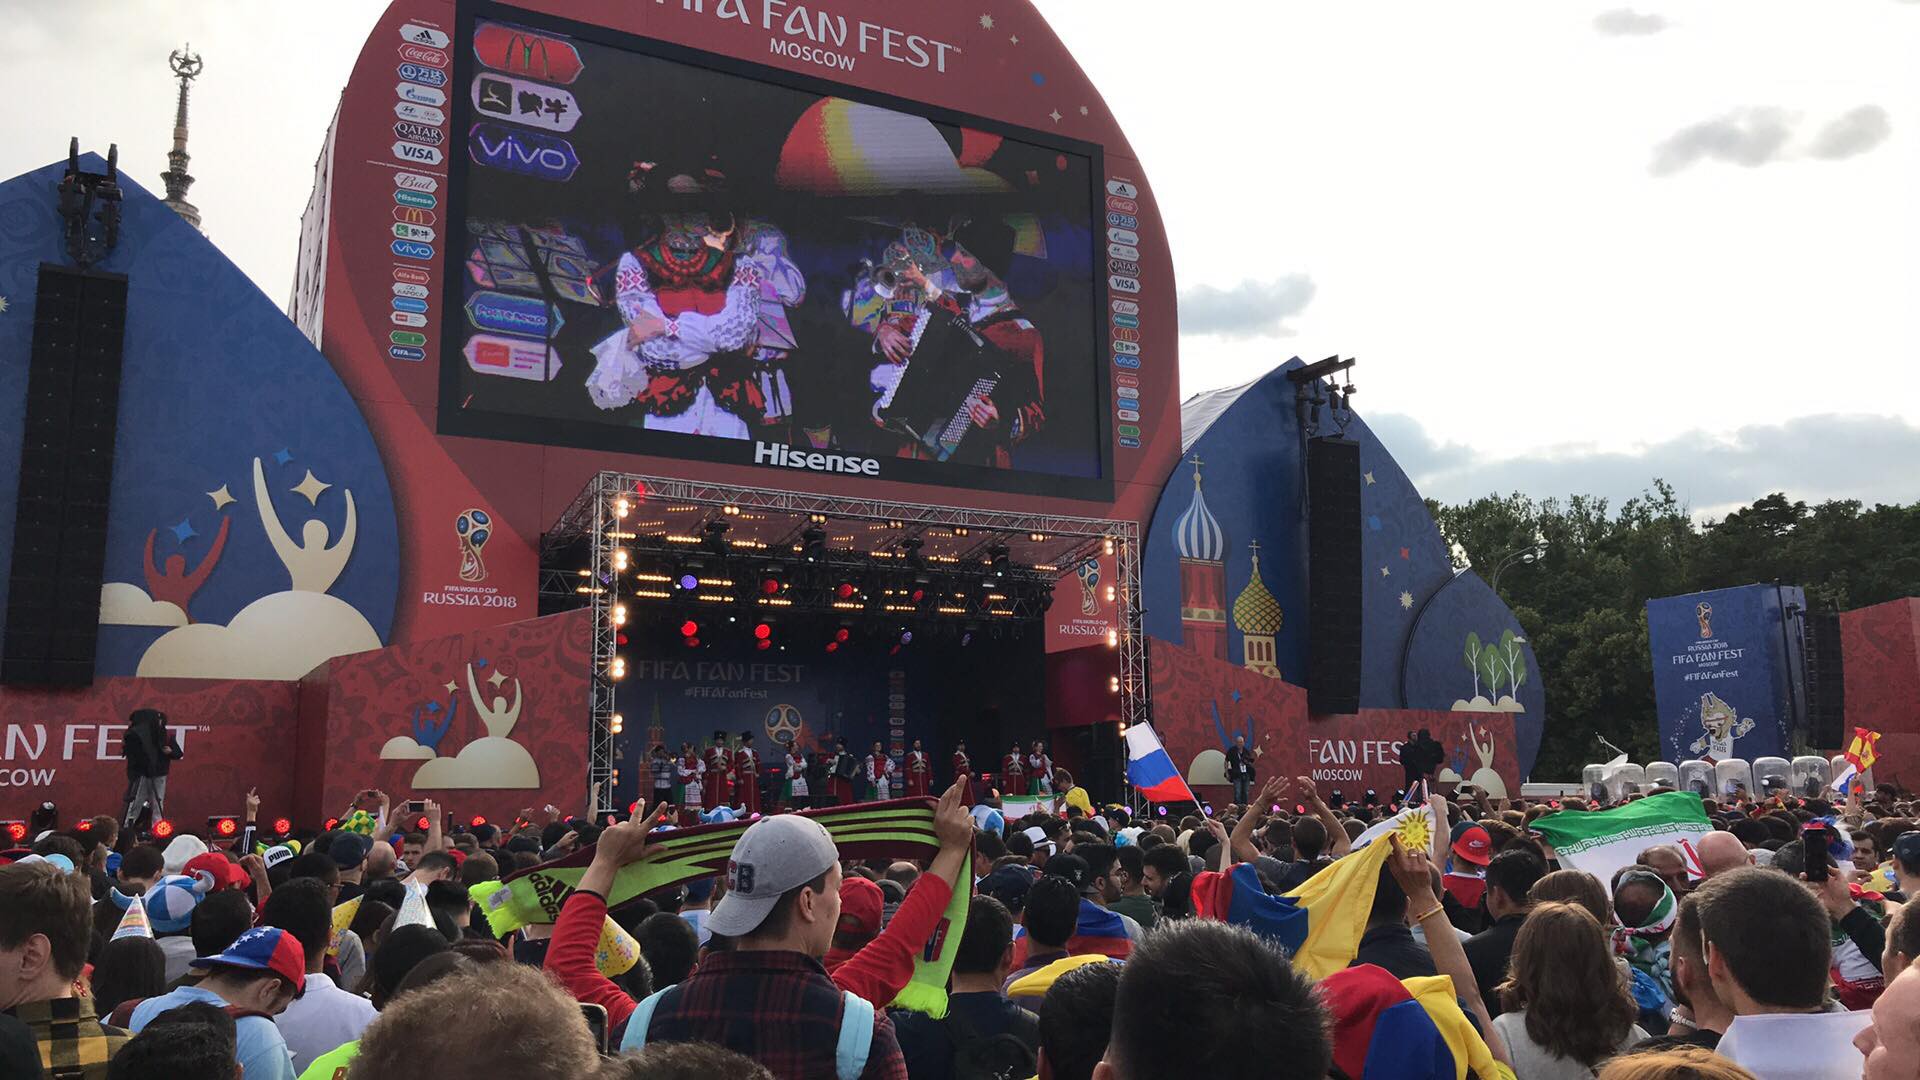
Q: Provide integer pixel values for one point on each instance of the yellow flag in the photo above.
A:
(342, 922)
(1338, 900)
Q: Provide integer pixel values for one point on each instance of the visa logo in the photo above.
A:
(403, 303)
(425, 155)
(406, 352)
(1122, 283)
(1129, 442)
(425, 76)
(1126, 361)
(409, 249)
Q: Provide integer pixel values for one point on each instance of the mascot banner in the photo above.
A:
(1727, 672)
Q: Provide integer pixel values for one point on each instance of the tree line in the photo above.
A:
(1582, 601)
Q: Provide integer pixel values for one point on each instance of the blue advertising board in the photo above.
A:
(1724, 671)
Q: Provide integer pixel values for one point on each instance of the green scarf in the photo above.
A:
(898, 828)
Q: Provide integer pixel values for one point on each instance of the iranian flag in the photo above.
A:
(1601, 842)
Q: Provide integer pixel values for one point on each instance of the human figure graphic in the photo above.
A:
(312, 565)
(499, 718)
(175, 585)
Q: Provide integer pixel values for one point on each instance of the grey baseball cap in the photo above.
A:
(774, 855)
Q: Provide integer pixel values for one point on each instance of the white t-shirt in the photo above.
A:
(321, 1019)
(1796, 1046)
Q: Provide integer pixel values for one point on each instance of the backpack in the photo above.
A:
(850, 1053)
(1005, 1056)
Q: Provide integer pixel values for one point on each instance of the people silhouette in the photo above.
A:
(499, 719)
(312, 565)
(175, 585)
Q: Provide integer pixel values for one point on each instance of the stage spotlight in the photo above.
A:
(844, 590)
(620, 559)
(842, 634)
(83, 825)
(616, 723)
(966, 638)
(906, 637)
(478, 821)
(162, 829)
(763, 631)
(620, 639)
(330, 824)
(688, 582)
(619, 614)
(617, 668)
(917, 595)
(813, 543)
(763, 645)
(1113, 638)
(16, 831)
(282, 826)
(770, 586)
(223, 826)
(689, 628)
(1113, 684)
(1109, 545)
(832, 646)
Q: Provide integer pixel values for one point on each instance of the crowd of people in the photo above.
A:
(1093, 945)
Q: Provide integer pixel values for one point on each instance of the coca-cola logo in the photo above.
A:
(420, 54)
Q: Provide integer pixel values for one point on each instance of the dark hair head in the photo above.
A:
(985, 940)
(142, 861)
(1168, 859)
(1903, 932)
(1635, 897)
(1075, 1017)
(681, 1061)
(440, 860)
(447, 896)
(1232, 983)
(1099, 856)
(479, 867)
(397, 955)
(1052, 911)
(670, 946)
(130, 968)
(1562, 973)
(386, 891)
(1389, 900)
(1514, 872)
(1750, 832)
(195, 1039)
(1771, 934)
(317, 865)
(1132, 860)
(304, 908)
(220, 918)
(1309, 838)
(1574, 887)
(39, 899)
(1019, 844)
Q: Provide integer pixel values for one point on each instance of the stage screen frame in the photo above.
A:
(454, 420)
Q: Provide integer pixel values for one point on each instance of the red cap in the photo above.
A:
(226, 873)
(1475, 846)
(459, 857)
(860, 905)
(265, 948)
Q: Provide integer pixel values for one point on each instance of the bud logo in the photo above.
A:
(1122, 189)
(407, 318)
(427, 76)
(420, 54)
(425, 155)
(1125, 307)
(512, 314)
(406, 352)
(407, 249)
(406, 337)
(1128, 321)
(420, 114)
(1119, 283)
(517, 51)
(1123, 221)
(533, 104)
(1126, 361)
(1126, 414)
(415, 199)
(420, 133)
(1123, 236)
(416, 291)
(1122, 251)
(424, 35)
(1124, 206)
(413, 215)
(407, 181)
(1123, 333)
(412, 274)
(420, 95)
(402, 303)
(531, 153)
(1123, 266)
(413, 232)
(786, 457)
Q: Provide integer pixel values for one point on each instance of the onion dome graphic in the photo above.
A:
(1255, 611)
(1196, 534)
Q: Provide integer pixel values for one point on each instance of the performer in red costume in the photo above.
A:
(746, 774)
(919, 770)
(692, 772)
(1013, 772)
(719, 773)
(844, 767)
(963, 770)
(175, 585)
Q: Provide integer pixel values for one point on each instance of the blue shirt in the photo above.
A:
(261, 1051)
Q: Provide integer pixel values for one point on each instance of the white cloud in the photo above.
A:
(1626, 22)
(1249, 309)
(280, 636)
(1748, 137)
(1857, 132)
(122, 604)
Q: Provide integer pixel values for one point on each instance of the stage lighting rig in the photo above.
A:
(716, 538)
(813, 544)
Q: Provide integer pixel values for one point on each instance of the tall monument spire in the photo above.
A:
(186, 65)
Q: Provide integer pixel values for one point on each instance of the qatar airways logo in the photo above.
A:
(786, 457)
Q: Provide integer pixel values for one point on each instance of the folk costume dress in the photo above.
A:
(746, 778)
(963, 769)
(919, 772)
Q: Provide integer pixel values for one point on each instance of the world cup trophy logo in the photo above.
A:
(1089, 574)
(1704, 612)
(473, 527)
(783, 724)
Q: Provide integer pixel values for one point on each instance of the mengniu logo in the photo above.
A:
(533, 104)
(413, 232)
(416, 200)
(518, 51)
(427, 76)
(531, 153)
(410, 249)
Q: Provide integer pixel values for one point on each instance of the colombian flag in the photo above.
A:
(1151, 771)
(1386, 1029)
(1319, 923)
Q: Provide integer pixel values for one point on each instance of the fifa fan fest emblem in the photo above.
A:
(783, 724)
(473, 527)
(1704, 611)
(1089, 575)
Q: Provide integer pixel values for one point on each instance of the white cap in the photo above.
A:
(774, 855)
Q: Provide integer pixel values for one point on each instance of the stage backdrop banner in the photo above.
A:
(1085, 605)
(1722, 671)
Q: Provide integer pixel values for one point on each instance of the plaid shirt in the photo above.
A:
(73, 1041)
(778, 1008)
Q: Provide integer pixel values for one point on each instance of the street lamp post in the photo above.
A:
(1526, 555)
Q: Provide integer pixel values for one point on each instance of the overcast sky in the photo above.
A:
(1574, 245)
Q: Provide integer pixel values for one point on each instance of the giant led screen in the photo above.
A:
(676, 254)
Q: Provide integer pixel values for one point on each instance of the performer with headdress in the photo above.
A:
(963, 771)
(919, 770)
(719, 773)
(692, 771)
(1040, 767)
(1013, 771)
(797, 793)
(763, 247)
(880, 773)
(746, 774)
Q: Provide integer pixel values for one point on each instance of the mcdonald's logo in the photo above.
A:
(519, 51)
(413, 215)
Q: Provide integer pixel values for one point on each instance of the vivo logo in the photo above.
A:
(425, 155)
(408, 249)
(1126, 361)
(427, 76)
(786, 457)
(421, 95)
(530, 153)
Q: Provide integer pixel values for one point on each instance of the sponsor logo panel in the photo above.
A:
(530, 153)
(1122, 283)
(419, 114)
(519, 51)
(509, 314)
(415, 182)
(416, 34)
(411, 249)
(414, 152)
(418, 292)
(1122, 189)
(412, 275)
(504, 97)
(409, 131)
(415, 199)
(515, 358)
(422, 54)
(426, 76)
(406, 352)
(421, 95)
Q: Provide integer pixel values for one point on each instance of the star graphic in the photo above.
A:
(184, 531)
(1083, 110)
(1384, 572)
(433, 707)
(1055, 115)
(452, 686)
(311, 487)
(3, 305)
(222, 498)
(1404, 553)
(1406, 601)
(1369, 476)
(1015, 39)
(480, 662)
(497, 678)
(281, 457)
(986, 22)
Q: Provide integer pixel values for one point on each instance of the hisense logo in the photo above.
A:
(786, 457)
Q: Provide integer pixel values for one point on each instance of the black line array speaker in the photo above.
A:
(66, 476)
(1333, 575)
(1826, 682)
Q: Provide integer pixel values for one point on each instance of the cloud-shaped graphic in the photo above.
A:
(282, 636)
(401, 748)
(123, 604)
(1209, 767)
(483, 763)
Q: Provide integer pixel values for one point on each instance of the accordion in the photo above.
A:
(928, 399)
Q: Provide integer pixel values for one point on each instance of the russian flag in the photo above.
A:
(1151, 771)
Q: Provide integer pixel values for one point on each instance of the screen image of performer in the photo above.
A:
(763, 247)
(1013, 769)
(664, 773)
(919, 770)
(979, 389)
(845, 768)
(1040, 767)
(881, 771)
(796, 777)
(963, 770)
(719, 762)
(746, 774)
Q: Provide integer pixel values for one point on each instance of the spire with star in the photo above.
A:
(186, 65)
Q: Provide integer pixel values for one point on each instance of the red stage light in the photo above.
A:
(162, 829)
(763, 644)
(330, 824)
(842, 634)
(693, 642)
(770, 586)
(619, 639)
(833, 646)
(763, 631)
(83, 826)
(17, 831)
(919, 595)
(478, 820)
(423, 824)
(689, 628)
(845, 590)
(282, 826)
(224, 826)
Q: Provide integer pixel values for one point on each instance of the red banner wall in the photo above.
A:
(1881, 645)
